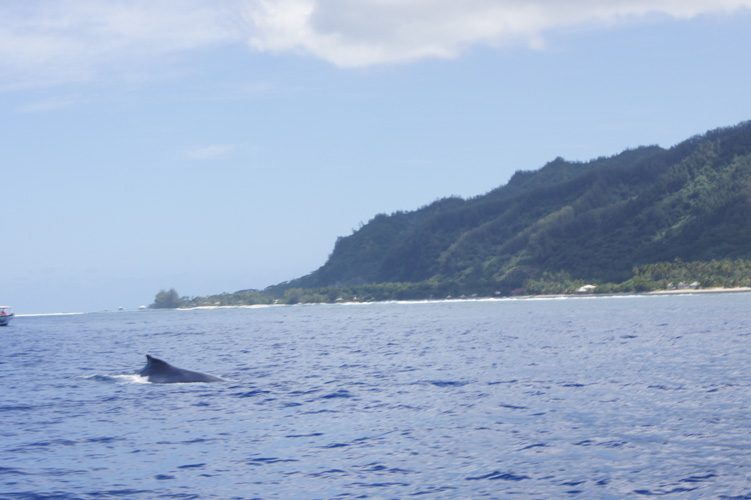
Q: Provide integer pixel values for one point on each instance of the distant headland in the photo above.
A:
(646, 219)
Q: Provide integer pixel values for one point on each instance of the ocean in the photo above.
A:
(581, 397)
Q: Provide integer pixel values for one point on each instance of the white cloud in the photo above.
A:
(208, 152)
(47, 43)
(358, 33)
(64, 41)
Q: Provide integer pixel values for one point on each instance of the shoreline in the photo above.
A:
(683, 291)
(700, 290)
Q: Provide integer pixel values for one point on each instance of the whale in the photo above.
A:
(157, 371)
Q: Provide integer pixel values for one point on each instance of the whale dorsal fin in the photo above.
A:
(155, 362)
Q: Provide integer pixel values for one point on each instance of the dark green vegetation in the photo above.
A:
(167, 300)
(637, 221)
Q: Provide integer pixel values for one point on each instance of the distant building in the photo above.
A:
(683, 286)
(586, 289)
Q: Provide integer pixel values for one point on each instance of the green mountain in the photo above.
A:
(595, 221)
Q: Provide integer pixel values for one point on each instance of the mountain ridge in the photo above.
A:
(596, 220)
(637, 220)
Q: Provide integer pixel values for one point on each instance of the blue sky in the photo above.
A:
(213, 146)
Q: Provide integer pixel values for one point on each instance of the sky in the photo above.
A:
(218, 145)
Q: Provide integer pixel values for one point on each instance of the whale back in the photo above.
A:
(160, 372)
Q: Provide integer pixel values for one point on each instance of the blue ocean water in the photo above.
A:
(608, 397)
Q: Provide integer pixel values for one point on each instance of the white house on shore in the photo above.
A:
(683, 286)
(586, 289)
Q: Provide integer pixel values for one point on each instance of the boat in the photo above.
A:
(6, 314)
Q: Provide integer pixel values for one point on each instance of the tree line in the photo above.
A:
(724, 273)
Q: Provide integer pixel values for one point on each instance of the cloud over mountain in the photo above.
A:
(358, 33)
(43, 43)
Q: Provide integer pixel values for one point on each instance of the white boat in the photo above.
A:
(6, 314)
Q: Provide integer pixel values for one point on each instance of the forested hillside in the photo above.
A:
(639, 220)
(595, 221)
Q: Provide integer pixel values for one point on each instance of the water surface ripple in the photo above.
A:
(582, 398)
